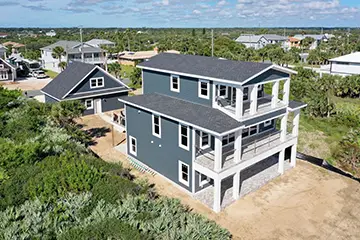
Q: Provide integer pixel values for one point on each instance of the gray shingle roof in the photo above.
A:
(295, 105)
(67, 79)
(196, 114)
(64, 44)
(205, 66)
(249, 38)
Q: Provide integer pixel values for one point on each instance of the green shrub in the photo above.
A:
(110, 228)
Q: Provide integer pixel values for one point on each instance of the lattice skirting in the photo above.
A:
(140, 166)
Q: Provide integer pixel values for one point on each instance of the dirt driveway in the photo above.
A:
(307, 202)
(27, 84)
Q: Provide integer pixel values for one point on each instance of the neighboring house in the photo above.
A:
(74, 51)
(253, 41)
(51, 33)
(7, 71)
(318, 39)
(101, 43)
(92, 85)
(3, 51)
(294, 42)
(132, 58)
(276, 39)
(203, 121)
(3, 35)
(13, 44)
(345, 65)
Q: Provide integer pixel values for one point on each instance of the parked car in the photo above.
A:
(39, 74)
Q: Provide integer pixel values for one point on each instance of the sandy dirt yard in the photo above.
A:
(307, 202)
(27, 84)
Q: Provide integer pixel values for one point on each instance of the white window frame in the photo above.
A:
(1, 66)
(228, 139)
(267, 123)
(188, 138)
(153, 126)
(206, 181)
(257, 130)
(97, 82)
(171, 83)
(4, 75)
(219, 91)
(207, 89)
(92, 104)
(201, 140)
(130, 146)
(180, 173)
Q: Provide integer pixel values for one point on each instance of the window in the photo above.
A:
(246, 94)
(184, 173)
(156, 126)
(203, 180)
(175, 83)
(96, 82)
(253, 130)
(222, 90)
(245, 133)
(133, 145)
(204, 89)
(184, 137)
(89, 104)
(228, 139)
(204, 140)
(1, 66)
(267, 123)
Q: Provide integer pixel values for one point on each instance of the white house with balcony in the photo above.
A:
(208, 126)
(73, 51)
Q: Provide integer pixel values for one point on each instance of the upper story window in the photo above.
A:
(96, 82)
(156, 126)
(204, 140)
(204, 87)
(175, 83)
(184, 137)
(228, 139)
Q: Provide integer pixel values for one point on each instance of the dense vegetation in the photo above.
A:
(53, 187)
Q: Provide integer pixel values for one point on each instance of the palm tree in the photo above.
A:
(115, 68)
(58, 52)
(62, 65)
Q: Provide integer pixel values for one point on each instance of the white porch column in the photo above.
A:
(218, 153)
(92, 56)
(275, 94)
(238, 146)
(281, 161)
(217, 195)
(236, 185)
(283, 127)
(239, 102)
(293, 155)
(296, 121)
(253, 90)
(286, 91)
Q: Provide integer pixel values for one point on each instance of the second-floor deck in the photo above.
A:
(251, 147)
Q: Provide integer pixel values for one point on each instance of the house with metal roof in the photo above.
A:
(101, 43)
(73, 51)
(207, 125)
(98, 90)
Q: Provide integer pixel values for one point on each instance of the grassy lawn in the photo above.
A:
(50, 73)
(126, 71)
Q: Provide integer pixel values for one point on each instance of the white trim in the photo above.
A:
(257, 74)
(126, 132)
(180, 172)
(192, 75)
(187, 137)
(171, 83)
(297, 108)
(267, 123)
(207, 89)
(276, 67)
(130, 144)
(206, 181)
(50, 95)
(94, 95)
(153, 125)
(172, 118)
(111, 76)
(8, 64)
(96, 79)
(193, 132)
(1, 66)
(4, 75)
(100, 90)
(92, 104)
(201, 140)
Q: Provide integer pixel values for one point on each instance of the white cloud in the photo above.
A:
(196, 11)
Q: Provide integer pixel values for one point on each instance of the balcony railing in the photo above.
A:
(251, 147)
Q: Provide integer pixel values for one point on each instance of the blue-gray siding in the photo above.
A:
(158, 82)
(160, 154)
(268, 76)
(109, 83)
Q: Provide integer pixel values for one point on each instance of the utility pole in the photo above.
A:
(212, 42)
(81, 38)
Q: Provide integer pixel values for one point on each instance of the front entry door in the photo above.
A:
(98, 107)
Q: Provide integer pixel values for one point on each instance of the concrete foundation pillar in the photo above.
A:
(281, 161)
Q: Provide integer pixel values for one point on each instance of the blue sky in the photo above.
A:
(179, 13)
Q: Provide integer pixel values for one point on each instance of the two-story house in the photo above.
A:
(98, 90)
(73, 51)
(202, 121)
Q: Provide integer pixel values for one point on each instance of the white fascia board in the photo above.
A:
(112, 77)
(94, 95)
(172, 118)
(50, 95)
(192, 75)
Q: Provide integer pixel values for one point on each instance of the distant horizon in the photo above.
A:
(179, 13)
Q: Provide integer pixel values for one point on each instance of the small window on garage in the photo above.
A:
(89, 104)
